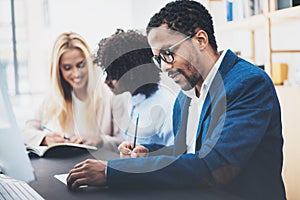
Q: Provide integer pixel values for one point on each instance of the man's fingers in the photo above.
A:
(74, 177)
(83, 163)
(79, 165)
(79, 182)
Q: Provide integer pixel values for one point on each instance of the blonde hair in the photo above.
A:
(59, 103)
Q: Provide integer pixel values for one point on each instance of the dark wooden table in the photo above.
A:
(50, 188)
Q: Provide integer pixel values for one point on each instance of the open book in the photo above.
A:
(59, 149)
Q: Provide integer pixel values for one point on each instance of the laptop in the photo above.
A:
(15, 167)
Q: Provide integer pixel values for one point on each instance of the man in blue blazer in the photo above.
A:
(227, 119)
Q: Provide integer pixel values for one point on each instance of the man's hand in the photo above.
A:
(89, 172)
(126, 150)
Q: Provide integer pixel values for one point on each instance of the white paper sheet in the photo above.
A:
(62, 178)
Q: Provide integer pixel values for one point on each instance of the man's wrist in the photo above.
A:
(105, 170)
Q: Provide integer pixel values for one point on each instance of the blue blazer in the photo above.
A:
(239, 140)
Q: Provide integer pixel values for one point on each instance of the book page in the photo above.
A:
(39, 150)
(55, 148)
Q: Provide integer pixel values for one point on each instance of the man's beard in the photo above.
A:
(192, 80)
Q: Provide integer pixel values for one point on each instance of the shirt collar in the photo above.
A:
(211, 75)
(207, 82)
(137, 99)
(190, 93)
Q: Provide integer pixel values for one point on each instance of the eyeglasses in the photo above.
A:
(166, 54)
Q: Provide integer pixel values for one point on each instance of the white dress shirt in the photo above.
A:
(197, 104)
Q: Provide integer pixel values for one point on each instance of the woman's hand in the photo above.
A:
(126, 150)
(52, 138)
(93, 140)
(75, 139)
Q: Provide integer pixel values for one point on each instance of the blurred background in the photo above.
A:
(264, 32)
(28, 29)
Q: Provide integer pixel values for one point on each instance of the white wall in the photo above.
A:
(289, 98)
(93, 19)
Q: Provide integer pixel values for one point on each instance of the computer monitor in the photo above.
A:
(14, 160)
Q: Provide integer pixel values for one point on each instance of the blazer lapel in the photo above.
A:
(204, 112)
(216, 89)
(180, 146)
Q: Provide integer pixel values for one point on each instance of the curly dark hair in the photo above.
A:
(127, 57)
(185, 17)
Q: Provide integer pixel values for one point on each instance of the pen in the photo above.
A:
(135, 132)
(48, 129)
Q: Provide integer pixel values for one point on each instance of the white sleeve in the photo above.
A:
(32, 133)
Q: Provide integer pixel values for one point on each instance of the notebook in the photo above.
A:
(15, 167)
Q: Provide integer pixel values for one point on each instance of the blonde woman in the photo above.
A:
(78, 108)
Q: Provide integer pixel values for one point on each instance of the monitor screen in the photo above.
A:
(14, 160)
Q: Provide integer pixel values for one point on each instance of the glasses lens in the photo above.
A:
(156, 60)
(104, 73)
(167, 56)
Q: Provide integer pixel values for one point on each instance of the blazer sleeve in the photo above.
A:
(231, 138)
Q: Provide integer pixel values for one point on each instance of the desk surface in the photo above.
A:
(50, 188)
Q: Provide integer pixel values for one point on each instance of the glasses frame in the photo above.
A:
(167, 51)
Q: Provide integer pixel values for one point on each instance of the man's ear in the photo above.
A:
(202, 38)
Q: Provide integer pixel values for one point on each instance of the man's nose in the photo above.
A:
(165, 67)
(107, 81)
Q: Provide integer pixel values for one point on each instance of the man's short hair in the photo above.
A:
(185, 17)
